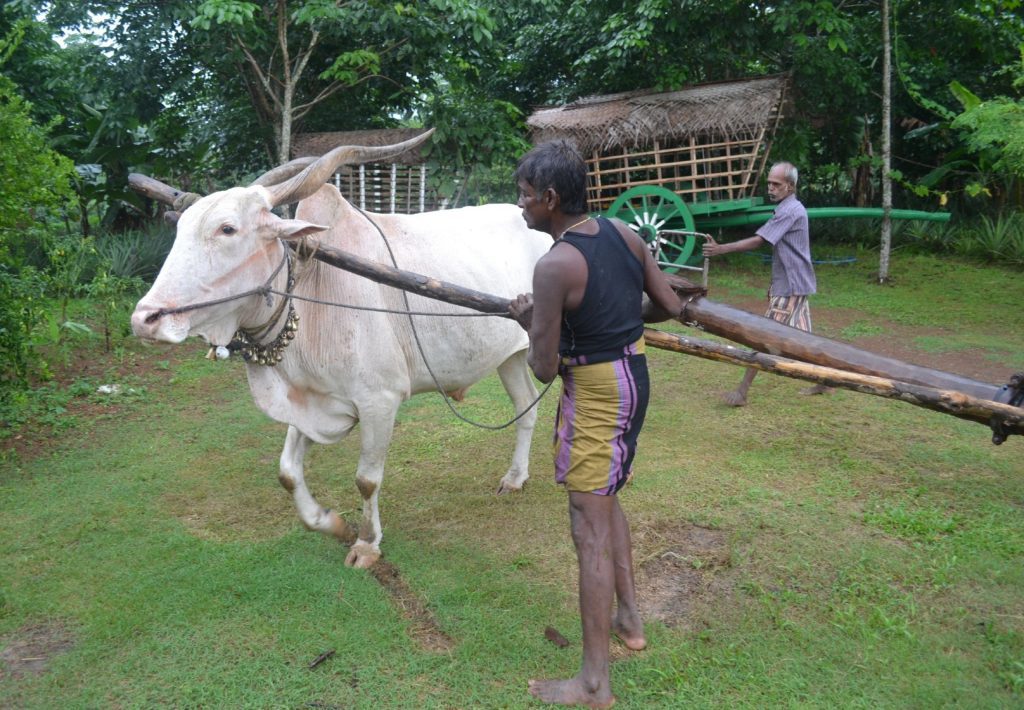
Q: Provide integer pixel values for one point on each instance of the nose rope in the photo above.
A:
(265, 290)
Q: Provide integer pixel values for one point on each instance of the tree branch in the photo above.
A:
(264, 79)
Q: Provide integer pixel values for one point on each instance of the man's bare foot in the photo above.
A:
(817, 389)
(570, 692)
(630, 638)
(734, 398)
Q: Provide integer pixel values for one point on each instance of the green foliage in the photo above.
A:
(999, 239)
(34, 180)
(996, 127)
(22, 308)
(70, 259)
(471, 131)
(114, 296)
(350, 67)
(135, 253)
(224, 12)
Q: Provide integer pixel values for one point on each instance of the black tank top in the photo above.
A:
(608, 318)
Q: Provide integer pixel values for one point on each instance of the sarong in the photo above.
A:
(791, 310)
(600, 413)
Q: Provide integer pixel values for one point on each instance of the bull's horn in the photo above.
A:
(310, 180)
(283, 172)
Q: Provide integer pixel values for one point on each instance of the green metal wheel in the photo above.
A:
(651, 210)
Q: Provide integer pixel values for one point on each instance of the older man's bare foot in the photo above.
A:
(734, 398)
(817, 389)
(631, 638)
(571, 692)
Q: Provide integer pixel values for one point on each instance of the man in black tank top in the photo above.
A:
(585, 323)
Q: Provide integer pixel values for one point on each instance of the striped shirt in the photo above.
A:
(787, 232)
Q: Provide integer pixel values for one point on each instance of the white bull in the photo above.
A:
(348, 366)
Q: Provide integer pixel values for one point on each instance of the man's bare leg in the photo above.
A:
(591, 520)
(738, 397)
(626, 624)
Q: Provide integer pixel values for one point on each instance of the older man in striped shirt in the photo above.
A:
(792, 271)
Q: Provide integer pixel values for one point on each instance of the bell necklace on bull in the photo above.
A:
(246, 341)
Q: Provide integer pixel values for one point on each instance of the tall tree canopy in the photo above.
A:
(220, 85)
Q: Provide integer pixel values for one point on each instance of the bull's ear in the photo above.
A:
(296, 228)
(276, 227)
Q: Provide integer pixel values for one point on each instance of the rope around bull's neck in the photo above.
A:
(423, 355)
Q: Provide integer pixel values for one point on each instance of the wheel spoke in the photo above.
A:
(649, 209)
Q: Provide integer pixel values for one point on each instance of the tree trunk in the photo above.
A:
(886, 247)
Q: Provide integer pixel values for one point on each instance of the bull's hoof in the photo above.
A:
(362, 556)
(507, 486)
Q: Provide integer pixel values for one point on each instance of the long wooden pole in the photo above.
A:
(768, 336)
(951, 402)
(413, 282)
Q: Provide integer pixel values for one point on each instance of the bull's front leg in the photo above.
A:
(291, 476)
(518, 382)
(376, 427)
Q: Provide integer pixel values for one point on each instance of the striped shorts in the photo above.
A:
(791, 310)
(600, 413)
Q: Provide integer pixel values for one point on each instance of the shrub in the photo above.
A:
(35, 184)
(999, 239)
(21, 310)
(136, 253)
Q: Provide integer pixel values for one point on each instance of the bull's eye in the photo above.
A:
(227, 229)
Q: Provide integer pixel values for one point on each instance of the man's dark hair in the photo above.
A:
(558, 165)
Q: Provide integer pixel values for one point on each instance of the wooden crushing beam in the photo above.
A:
(951, 402)
(769, 336)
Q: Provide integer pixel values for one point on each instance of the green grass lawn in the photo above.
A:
(841, 551)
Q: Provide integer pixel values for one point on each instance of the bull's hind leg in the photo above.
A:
(518, 382)
(311, 513)
(376, 425)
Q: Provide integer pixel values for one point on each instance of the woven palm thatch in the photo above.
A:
(706, 142)
(731, 109)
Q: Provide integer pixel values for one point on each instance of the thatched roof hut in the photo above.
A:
(395, 185)
(705, 142)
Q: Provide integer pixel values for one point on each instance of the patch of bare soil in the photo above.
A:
(29, 650)
(423, 626)
(149, 365)
(676, 566)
